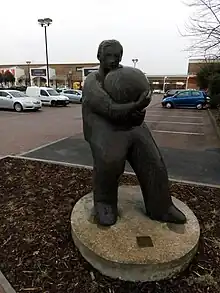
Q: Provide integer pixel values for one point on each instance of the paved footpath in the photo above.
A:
(186, 138)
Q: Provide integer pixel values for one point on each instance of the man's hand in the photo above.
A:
(144, 100)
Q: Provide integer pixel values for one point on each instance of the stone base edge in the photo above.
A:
(129, 272)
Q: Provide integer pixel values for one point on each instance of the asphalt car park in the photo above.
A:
(21, 132)
(186, 137)
(182, 128)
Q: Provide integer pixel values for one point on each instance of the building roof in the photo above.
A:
(86, 64)
(202, 60)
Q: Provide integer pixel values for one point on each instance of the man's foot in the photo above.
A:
(106, 214)
(173, 215)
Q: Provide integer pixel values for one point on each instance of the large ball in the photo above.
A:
(126, 84)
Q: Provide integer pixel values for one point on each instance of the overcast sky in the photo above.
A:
(148, 30)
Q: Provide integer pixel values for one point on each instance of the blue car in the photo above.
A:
(187, 99)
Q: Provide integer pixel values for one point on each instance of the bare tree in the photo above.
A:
(203, 28)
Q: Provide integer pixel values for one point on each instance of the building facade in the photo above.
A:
(61, 74)
(194, 66)
(166, 82)
(187, 81)
(66, 74)
(16, 71)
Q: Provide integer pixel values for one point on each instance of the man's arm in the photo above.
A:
(102, 104)
(137, 118)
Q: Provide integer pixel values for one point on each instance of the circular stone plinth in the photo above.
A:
(136, 248)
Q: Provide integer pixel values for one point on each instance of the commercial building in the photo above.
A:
(66, 74)
(187, 81)
(60, 74)
(194, 66)
(18, 72)
(166, 82)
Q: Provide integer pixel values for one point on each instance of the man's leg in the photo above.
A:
(147, 162)
(109, 155)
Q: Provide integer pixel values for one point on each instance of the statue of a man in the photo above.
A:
(116, 133)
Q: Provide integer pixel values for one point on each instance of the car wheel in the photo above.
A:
(18, 107)
(168, 105)
(53, 103)
(80, 100)
(199, 106)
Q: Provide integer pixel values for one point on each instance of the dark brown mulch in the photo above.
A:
(37, 253)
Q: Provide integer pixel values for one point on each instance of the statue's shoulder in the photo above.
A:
(91, 77)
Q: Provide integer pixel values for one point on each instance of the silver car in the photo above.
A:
(19, 101)
(75, 96)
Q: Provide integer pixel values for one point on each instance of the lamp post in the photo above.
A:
(45, 22)
(135, 61)
(187, 82)
(28, 69)
(70, 78)
(164, 83)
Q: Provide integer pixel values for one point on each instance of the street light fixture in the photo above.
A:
(45, 22)
(28, 69)
(135, 61)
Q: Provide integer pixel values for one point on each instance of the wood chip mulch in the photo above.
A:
(37, 253)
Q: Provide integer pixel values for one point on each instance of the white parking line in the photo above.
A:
(174, 122)
(13, 113)
(175, 111)
(179, 132)
(16, 116)
(43, 146)
(174, 116)
(168, 114)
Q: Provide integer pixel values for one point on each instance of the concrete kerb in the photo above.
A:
(3, 157)
(194, 183)
(214, 123)
(5, 285)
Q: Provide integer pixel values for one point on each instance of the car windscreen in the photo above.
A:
(172, 92)
(53, 93)
(17, 94)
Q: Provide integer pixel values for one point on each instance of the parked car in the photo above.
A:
(60, 89)
(187, 99)
(75, 96)
(14, 87)
(158, 91)
(47, 95)
(19, 101)
(171, 93)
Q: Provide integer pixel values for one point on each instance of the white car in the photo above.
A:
(48, 96)
(158, 91)
(19, 101)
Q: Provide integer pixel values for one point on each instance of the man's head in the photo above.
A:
(110, 54)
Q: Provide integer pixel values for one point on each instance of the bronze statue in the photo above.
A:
(116, 132)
